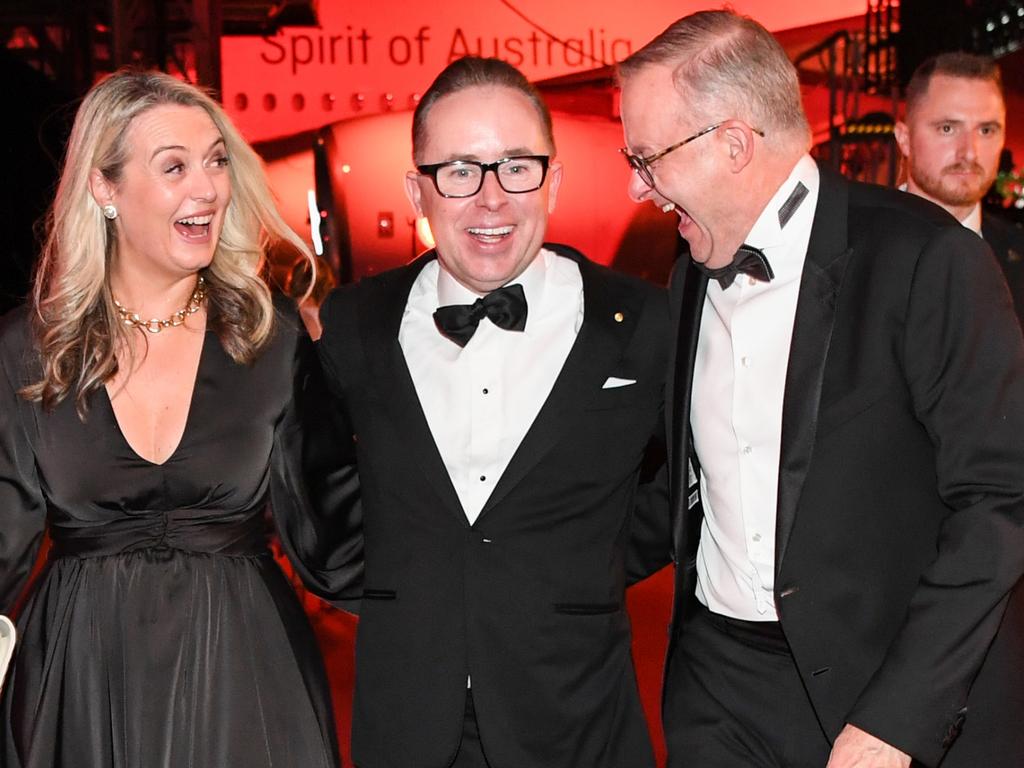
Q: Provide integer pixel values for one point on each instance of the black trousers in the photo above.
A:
(471, 750)
(734, 699)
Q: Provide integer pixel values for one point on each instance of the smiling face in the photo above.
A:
(486, 240)
(173, 192)
(692, 182)
(952, 140)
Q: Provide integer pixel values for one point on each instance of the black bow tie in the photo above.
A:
(505, 307)
(748, 261)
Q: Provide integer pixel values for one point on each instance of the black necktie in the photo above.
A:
(748, 261)
(505, 307)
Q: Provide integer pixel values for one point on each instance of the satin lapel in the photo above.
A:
(677, 412)
(600, 343)
(828, 254)
(380, 316)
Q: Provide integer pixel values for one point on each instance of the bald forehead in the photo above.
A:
(650, 100)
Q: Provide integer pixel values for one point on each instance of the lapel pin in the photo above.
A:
(619, 317)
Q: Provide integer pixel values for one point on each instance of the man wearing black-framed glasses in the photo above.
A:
(847, 500)
(464, 178)
(505, 392)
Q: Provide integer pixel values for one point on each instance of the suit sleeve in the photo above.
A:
(22, 506)
(650, 534)
(317, 501)
(652, 546)
(964, 365)
(651, 531)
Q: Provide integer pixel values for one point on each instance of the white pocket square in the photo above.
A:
(615, 381)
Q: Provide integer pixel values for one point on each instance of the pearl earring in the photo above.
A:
(109, 212)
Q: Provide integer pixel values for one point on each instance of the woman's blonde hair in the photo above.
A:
(75, 323)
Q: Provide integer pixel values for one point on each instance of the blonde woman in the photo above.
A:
(148, 418)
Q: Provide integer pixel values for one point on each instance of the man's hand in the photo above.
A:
(859, 749)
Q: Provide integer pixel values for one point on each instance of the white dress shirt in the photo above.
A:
(973, 219)
(480, 400)
(736, 413)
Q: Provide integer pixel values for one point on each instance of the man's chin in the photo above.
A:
(712, 260)
(961, 201)
(960, 194)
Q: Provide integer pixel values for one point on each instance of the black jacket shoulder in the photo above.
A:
(1006, 237)
(17, 349)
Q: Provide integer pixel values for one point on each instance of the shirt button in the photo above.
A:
(745, 361)
(747, 450)
(483, 478)
(756, 537)
(485, 390)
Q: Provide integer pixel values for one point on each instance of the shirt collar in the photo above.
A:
(767, 232)
(973, 219)
(451, 291)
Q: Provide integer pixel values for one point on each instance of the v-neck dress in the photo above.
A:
(161, 633)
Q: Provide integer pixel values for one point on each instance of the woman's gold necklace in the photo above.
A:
(155, 325)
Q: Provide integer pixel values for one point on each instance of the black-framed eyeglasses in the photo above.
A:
(642, 165)
(464, 178)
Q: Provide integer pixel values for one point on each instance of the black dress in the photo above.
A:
(161, 631)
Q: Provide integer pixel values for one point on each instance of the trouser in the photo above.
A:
(734, 699)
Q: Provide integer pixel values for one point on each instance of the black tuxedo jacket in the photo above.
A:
(900, 533)
(529, 600)
(1007, 242)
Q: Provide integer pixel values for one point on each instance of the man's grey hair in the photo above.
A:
(728, 66)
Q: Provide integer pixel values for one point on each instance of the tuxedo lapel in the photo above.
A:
(599, 344)
(828, 254)
(677, 412)
(380, 316)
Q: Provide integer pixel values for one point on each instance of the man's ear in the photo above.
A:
(739, 142)
(414, 193)
(102, 191)
(902, 134)
(554, 182)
